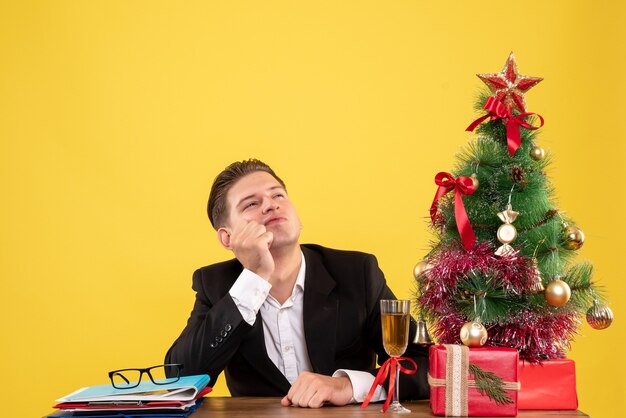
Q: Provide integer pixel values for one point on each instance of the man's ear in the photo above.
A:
(223, 235)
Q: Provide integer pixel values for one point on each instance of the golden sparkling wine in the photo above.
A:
(395, 333)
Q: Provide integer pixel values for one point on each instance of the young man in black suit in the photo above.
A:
(285, 319)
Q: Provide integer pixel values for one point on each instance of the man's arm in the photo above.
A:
(213, 333)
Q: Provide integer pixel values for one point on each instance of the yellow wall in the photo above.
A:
(116, 115)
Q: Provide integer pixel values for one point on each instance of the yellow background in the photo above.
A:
(115, 116)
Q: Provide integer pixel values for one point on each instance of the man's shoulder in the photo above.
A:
(332, 255)
(216, 279)
(347, 268)
(335, 253)
(222, 267)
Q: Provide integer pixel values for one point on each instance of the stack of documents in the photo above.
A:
(147, 400)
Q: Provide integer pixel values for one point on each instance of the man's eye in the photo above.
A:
(249, 205)
(279, 196)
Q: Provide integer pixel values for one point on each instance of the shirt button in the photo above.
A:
(286, 349)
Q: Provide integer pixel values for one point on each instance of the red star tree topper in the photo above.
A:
(509, 85)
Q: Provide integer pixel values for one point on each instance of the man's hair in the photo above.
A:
(217, 208)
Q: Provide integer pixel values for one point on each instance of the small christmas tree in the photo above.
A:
(500, 272)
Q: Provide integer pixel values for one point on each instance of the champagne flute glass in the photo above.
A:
(395, 319)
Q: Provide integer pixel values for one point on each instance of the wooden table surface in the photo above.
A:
(250, 407)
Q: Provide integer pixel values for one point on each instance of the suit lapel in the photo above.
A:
(320, 314)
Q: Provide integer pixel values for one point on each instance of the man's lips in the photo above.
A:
(274, 220)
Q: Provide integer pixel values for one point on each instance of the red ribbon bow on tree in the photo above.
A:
(461, 185)
(496, 110)
(389, 368)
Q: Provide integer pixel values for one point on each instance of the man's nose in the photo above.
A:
(269, 205)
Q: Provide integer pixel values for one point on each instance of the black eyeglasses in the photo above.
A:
(163, 374)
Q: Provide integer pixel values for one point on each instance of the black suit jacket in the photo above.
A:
(341, 326)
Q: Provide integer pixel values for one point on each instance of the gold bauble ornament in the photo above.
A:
(537, 153)
(599, 316)
(557, 293)
(573, 237)
(421, 268)
(475, 181)
(473, 334)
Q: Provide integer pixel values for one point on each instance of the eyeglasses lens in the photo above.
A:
(125, 379)
(160, 374)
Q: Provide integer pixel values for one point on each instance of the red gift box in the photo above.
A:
(550, 384)
(453, 391)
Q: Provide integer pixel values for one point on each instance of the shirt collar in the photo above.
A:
(296, 292)
(301, 273)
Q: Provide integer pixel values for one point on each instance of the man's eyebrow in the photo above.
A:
(250, 196)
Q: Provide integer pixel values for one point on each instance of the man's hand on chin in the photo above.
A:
(311, 390)
(250, 241)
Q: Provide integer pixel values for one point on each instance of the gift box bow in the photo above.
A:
(457, 382)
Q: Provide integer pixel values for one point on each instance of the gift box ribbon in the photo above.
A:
(457, 382)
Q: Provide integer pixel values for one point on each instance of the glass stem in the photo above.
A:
(396, 389)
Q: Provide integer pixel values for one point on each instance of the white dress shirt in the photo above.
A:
(283, 329)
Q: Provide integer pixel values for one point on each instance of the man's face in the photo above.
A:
(259, 197)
